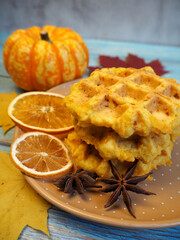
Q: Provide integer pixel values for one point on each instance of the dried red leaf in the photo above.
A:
(109, 62)
(157, 66)
(135, 61)
(130, 61)
(92, 69)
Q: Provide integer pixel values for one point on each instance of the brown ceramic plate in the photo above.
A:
(162, 210)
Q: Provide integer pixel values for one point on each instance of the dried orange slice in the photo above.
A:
(40, 111)
(40, 155)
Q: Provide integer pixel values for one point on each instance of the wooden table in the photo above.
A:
(63, 225)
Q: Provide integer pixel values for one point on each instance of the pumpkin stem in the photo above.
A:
(45, 36)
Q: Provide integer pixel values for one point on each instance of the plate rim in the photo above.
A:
(128, 224)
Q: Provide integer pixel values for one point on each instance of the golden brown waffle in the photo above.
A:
(111, 146)
(130, 101)
(86, 157)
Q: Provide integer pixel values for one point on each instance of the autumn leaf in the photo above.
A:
(5, 121)
(20, 204)
(130, 61)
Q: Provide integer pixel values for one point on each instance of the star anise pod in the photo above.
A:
(122, 184)
(79, 181)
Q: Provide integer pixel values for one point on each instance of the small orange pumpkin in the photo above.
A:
(38, 59)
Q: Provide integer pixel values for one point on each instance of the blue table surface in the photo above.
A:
(63, 225)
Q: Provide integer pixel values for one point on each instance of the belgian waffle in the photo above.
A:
(111, 146)
(85, 156)
(130, 101)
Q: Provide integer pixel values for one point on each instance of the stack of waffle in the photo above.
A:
(123, 114)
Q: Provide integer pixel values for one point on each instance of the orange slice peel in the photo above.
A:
(40, 155)
(40, 111)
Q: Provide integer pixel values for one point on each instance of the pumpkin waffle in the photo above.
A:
(111, 146)
(85, 156)
(129, 101)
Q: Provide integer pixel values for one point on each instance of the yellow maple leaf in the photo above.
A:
(5, 121)
(20, 205)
